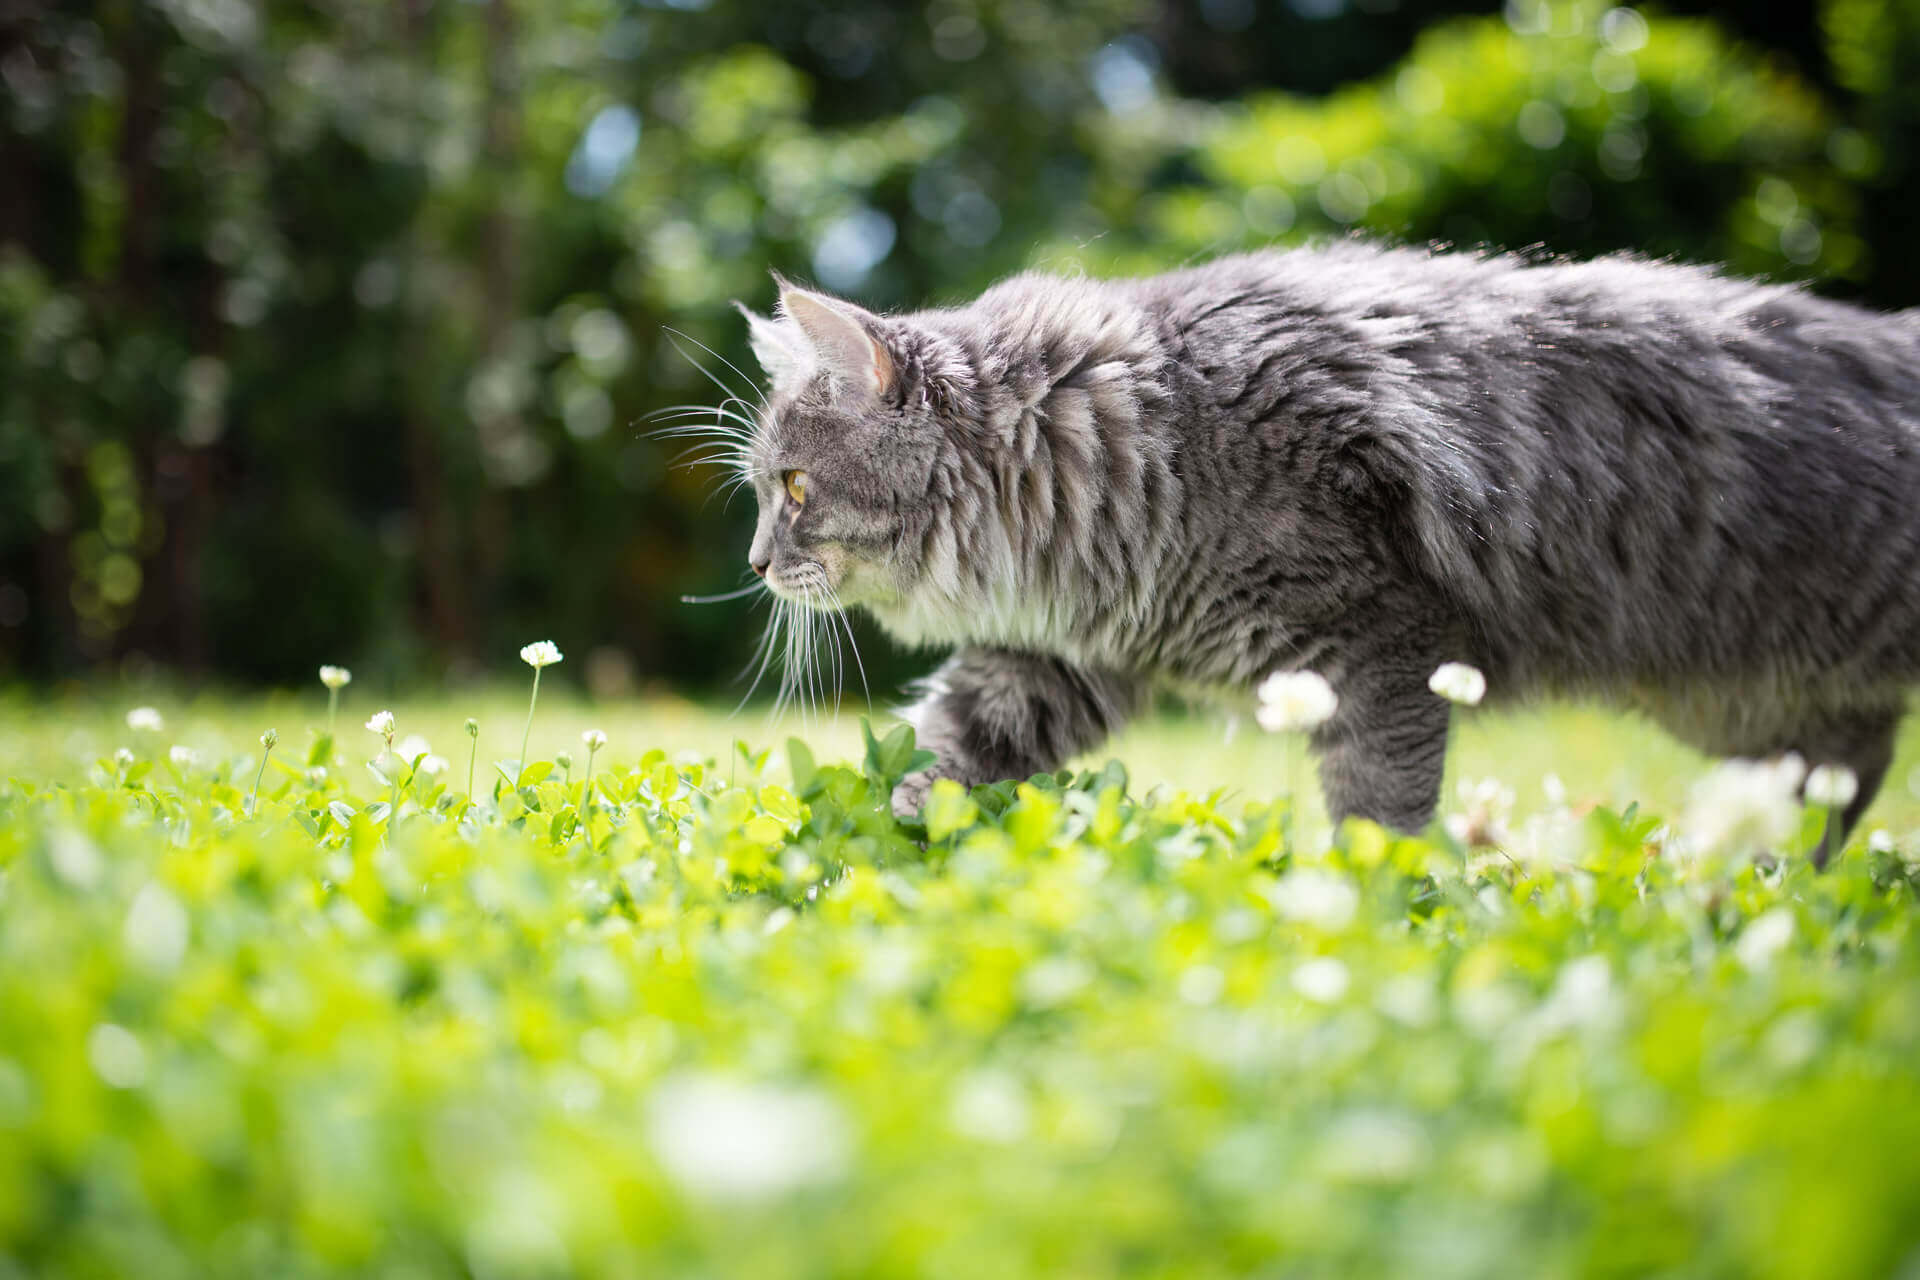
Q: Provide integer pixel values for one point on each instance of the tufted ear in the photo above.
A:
(779, 345)
(843, 337)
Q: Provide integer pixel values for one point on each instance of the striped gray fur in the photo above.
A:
(1638, 481)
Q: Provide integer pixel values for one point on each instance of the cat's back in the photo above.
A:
(1615, 464)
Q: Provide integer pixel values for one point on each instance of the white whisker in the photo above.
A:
(717, 356)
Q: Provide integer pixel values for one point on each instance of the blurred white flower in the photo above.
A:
(184, 758)
(123, 758)
(1322, 980)
(1832, 786)
(1201, 984)
(117, 1056)
(989, 1105)
(75, 859)
(1486, 803)
(156, 929)
(335, 677)
(1374, 1146)
(270, 739)
(1765, 936)
(1583, 996)
(1458, 682)
(1309, 895)
(1292, 700)
(147, 718)
(433, 766)
(381, 722)
(412, 747)
(594, 739)
(541, 653)
(1744, 806)
(726, 1139)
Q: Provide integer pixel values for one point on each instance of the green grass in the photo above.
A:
(730, 1019)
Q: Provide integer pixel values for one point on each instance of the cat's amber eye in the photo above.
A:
(797, 487)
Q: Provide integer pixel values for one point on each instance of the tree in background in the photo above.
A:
(332, 332)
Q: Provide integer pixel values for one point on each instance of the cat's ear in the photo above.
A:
(779, 346)
(844, 337)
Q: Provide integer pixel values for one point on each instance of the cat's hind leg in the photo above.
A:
(1383, 753)
(1861, 740)
(1858, 737)
(989, 714)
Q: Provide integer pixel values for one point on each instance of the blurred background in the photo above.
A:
(329, 330)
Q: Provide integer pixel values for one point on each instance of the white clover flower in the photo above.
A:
(433, 766)
(1486, 805)
(541, 653)
(147, 718)
(594, 739)
(184, 758)
(335, 677)
(1458, 682)
(1832, 786)
(123, 758)
(564, 759)
(1744, 806)
(381, 722)
(1295, 700)
(413, 746)
(270, 739)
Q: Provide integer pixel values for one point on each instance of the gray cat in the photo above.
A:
(1619, 478)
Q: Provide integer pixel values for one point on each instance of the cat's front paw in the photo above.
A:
(911, 795)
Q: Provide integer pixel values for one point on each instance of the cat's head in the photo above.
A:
(846, 447)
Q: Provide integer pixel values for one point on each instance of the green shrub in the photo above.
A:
(1579, 126)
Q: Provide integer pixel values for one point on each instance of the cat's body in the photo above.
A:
(1637, 481)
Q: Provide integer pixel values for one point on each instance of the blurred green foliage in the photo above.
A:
(697, 1017)
(331, 332)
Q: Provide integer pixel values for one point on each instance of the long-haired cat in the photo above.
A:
(1650, 483)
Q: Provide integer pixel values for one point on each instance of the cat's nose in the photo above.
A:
(760, 564)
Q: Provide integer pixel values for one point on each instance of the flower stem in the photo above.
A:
(333, 708)
(473, 749)
(528, 732)
(1293, 794)
(586, 788)
(253, 801)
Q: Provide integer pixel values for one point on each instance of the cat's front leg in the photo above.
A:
(989, 714)
(1384, 750)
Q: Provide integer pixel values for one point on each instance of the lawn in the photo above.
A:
(717, 1014)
